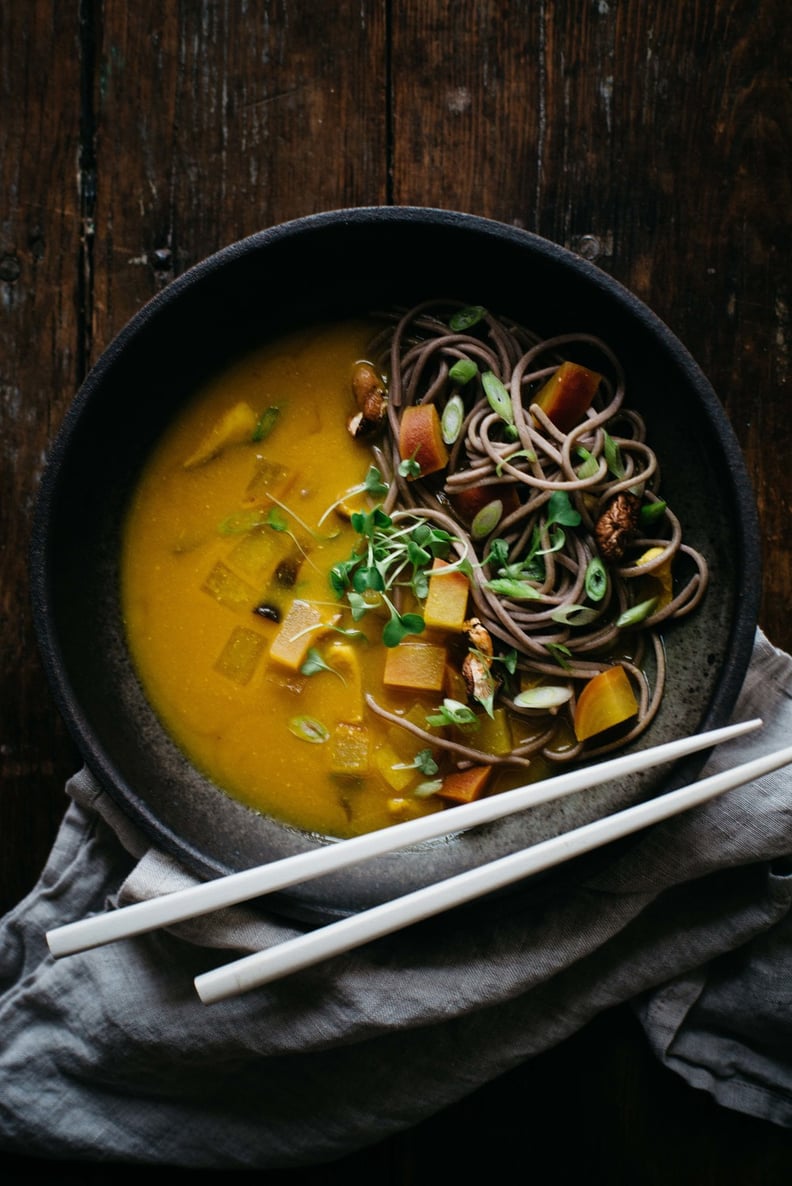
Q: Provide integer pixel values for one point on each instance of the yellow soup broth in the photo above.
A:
(218, 528)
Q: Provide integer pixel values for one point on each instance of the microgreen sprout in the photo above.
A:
(509, 659)
(400, 625)
(279, 523)
(510, 458)
(423, 761)
(373, 485)
(314, 663)
(409, 468)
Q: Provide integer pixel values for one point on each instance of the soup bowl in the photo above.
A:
(335, 265)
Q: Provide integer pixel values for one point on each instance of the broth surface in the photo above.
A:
(193, 573)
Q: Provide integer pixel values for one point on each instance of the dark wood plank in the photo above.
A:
(213, 121)
(40, 355)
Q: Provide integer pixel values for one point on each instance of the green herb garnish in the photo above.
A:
(466, 318)
(453, 712)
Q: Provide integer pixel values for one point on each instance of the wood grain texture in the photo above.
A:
(40, 236)
(216, 120)
(653, 138)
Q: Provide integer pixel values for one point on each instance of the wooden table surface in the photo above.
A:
(653, 137)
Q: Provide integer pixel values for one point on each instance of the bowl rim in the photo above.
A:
(747, 538)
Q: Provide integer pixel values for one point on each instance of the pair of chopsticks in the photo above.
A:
(262, 967)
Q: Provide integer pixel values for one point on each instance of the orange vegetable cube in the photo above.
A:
(606, 700)
(298, 631)
(566, 396)
(659, 582)
(468, 503)
(415, 665)
(466, 785)
(446, 603)
(233, 428)
(421, 438)
(349, 750)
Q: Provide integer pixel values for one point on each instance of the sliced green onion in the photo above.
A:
(466, 318)
(265, 423)
(309, 729)
(487, 519)
(517, 590)
(462, 371)
(590, 464)
(596, 579)
(613, 457)
(575, 615)
(544, 697)
(637, 613)
(452, 419)
(425, 789)
(528, 454)
(497, 396)
(652, 511)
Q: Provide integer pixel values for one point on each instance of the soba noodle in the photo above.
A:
(558, 634)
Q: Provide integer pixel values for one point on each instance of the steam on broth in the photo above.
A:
(373, 570)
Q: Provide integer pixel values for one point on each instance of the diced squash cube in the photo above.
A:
(229, 589)
(493, 735)
(269, 477)
(401, 809)
(465, 785)
(298, 631)
(257, 553)
(659, 582)
(403, 741)
(469, 502)
(607, 700)
(240, 655)
(446, 602)
(454, 686)
(349, 750)
(421, 438)
(348, 699)
(415, 665)
(567, 395)
(391, 766)
(234, 427)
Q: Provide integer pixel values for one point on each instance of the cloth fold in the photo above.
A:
(109, 1054)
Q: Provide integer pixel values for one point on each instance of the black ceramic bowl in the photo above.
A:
(331, 265)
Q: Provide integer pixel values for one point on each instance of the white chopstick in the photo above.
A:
(277, 875)
(295, 954)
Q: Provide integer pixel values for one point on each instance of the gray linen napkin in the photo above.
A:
(110, 1054)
